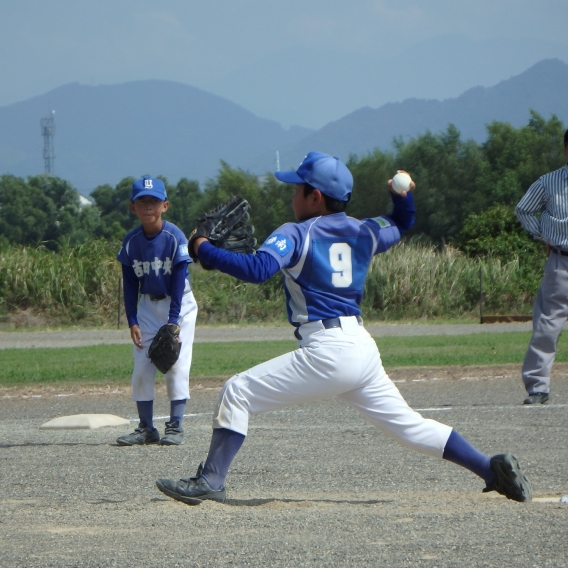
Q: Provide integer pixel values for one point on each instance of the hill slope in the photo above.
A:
(107, 132)
(542, 87)
(104, 133)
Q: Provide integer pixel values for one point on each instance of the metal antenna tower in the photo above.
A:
(48, 131)
(277, 161)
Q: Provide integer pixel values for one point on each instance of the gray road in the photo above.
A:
(313, 485)
(77, 338)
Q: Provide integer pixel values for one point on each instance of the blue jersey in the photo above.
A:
(153, 258)
(324, 262)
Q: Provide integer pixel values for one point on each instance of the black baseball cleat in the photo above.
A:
(173, 434)
(509, 479)
(140, 436)
(536, 398)
(192, 491)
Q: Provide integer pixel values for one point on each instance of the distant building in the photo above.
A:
(85, 201)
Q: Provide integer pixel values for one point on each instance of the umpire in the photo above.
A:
(543, 212)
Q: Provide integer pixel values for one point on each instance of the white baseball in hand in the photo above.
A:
(401, 182)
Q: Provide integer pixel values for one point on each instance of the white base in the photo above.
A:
(83, 421)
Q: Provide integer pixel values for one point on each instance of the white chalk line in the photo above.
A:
(523, 407)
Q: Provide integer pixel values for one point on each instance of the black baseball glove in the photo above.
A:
(165, 347)
(227, 226)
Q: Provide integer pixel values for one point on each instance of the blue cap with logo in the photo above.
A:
(326, 173)
(148, 186)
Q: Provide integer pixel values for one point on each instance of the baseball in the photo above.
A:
(401, 182)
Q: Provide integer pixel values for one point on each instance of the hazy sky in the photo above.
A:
(271, 56)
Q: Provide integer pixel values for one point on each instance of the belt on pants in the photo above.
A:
(157, 298)
(327, 324)
(559, 251)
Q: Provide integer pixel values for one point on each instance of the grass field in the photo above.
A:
(113, 363)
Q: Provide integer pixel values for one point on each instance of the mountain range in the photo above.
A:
(316, 87)
(541, 88)
(107, 132)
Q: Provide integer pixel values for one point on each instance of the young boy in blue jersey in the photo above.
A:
(157, 291)
(324, 259)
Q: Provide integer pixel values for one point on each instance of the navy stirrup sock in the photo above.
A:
(224, 447)
(458, 450)
(146, 412)
(177, 409)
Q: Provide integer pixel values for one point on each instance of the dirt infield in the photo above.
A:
(313, 485)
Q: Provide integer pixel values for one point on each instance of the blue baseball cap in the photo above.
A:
(148, 186)
(326, 173)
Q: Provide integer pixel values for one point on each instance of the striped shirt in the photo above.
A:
(547, 196)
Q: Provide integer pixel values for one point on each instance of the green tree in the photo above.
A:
(185, 204)
(445, 169)
(371, 196)
(44, 209)
(230, 182)
(70, 224)
(59, 191)
(516, 157)
(25, 211)
(275, 207)
(497, 232)
(114, 206)
(88, 226)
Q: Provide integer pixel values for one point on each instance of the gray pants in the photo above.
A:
(549, 316)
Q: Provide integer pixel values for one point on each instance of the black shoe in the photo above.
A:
(509, 479)
(536, 398)
(140, 436)
(173, 435)
(192, 491)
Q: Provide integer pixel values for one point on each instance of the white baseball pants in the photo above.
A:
(151, 316)
(343, 362)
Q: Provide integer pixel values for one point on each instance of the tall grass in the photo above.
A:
(418, 281)
(223, 299)
(79, 285)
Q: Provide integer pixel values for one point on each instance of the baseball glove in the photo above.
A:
(165, 347)
(227, 226)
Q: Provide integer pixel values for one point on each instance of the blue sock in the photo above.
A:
(223, 448)
(177, 409)
(459, 450)
(146, 412)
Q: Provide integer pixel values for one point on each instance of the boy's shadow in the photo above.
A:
(43, 444)
(259, 502)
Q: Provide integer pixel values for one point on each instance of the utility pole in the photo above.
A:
(48, 131)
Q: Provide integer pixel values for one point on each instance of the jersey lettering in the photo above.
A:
(340, 260)
(157, 265)
(168, 265)
(137, 267)
(143, 267)
(279, 243)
